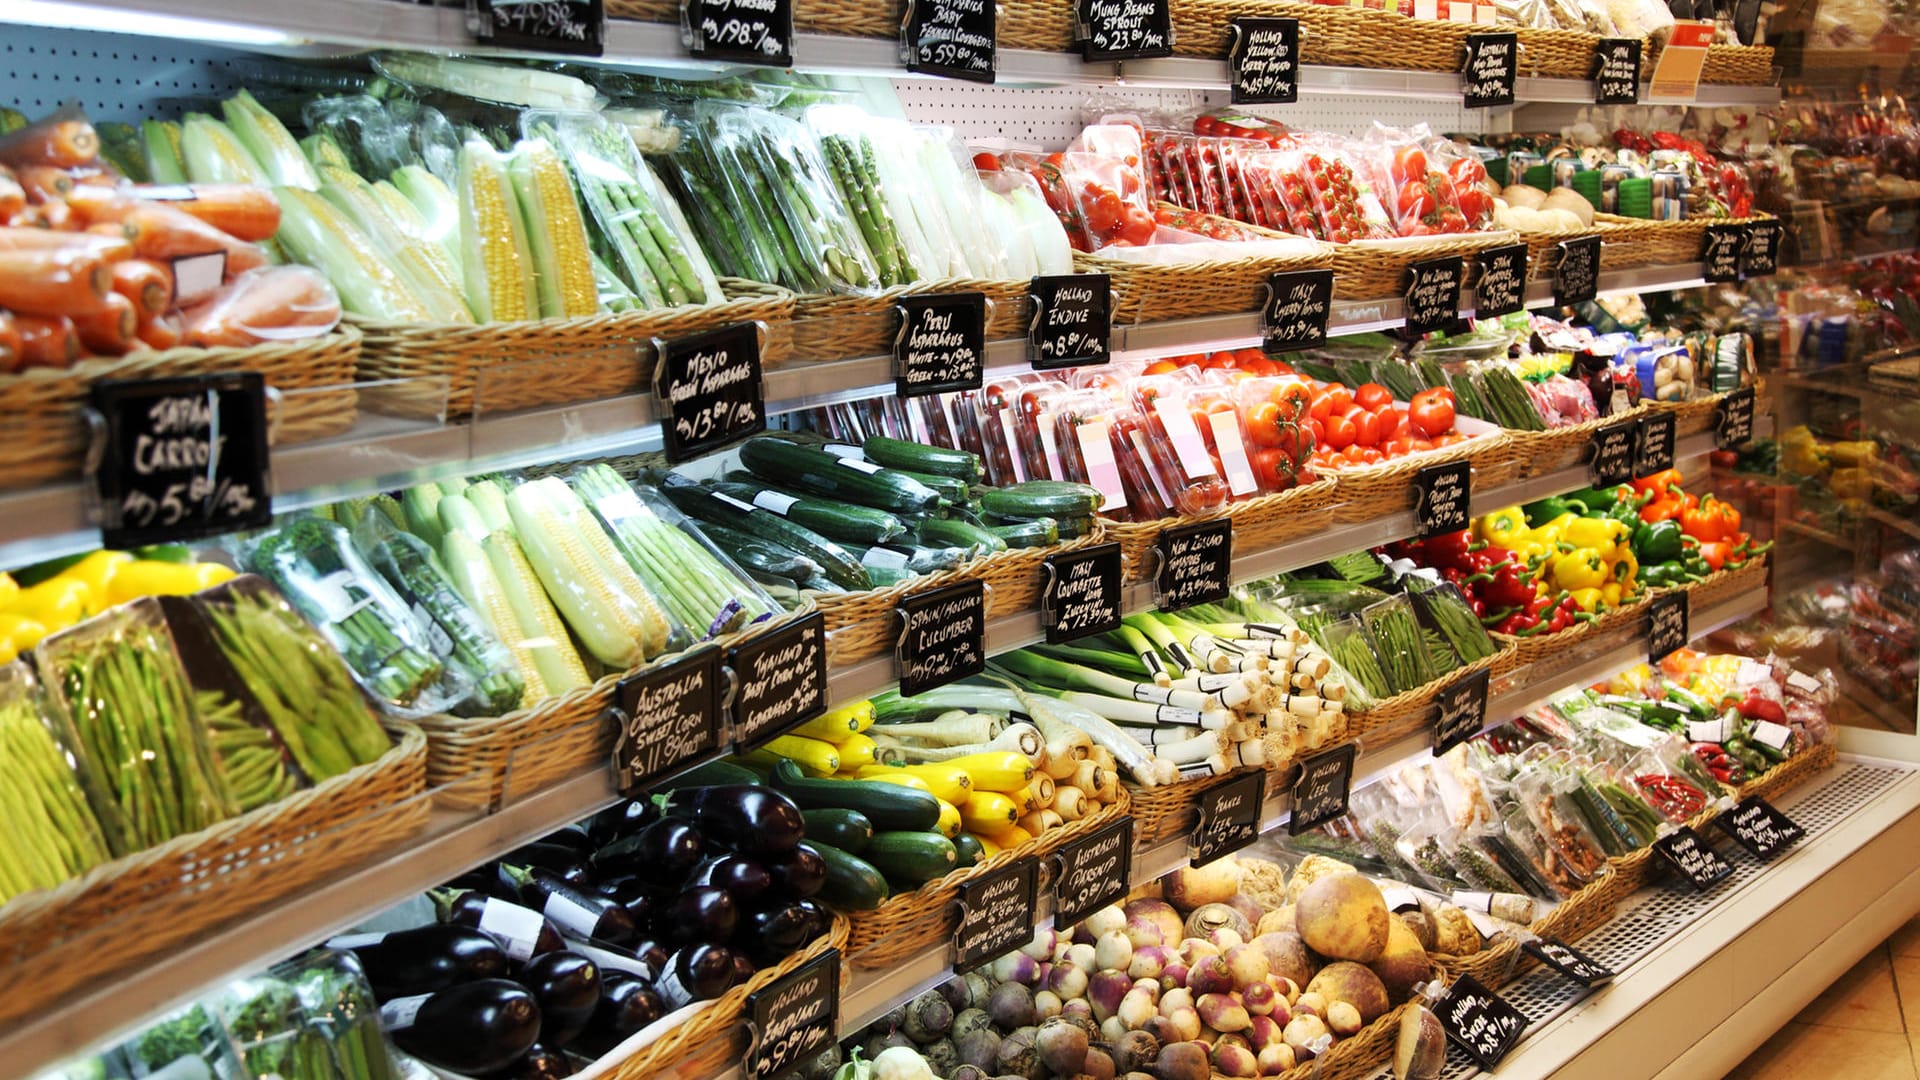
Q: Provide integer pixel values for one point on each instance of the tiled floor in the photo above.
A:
(1865, 1027)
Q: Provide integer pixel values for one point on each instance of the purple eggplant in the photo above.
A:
(567, 986)
(625, 819)
(627, 1005)
(696, 973)
(770, 935)
(700, 913)
(562, 861)
(541, 1063)
(521, 931)
(579, 912)
(745, 878)
(472, 1028)
(666, 851)
(746, 818)
(799, 873)
(428, 958)
(743, 967)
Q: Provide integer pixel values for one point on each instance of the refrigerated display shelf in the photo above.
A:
(307, 28)
(380, 453)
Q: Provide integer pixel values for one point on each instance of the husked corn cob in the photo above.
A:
(439, 210)
(556, 231)
(272, 145)
(541, 630)
(212, 154)
(321, 149)
(606, 619)
(407, 216)
(493, 241)
(420, 263)
(655, 627)
(473, 575)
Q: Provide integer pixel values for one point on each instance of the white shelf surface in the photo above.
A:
(381, 453)
(309, 26)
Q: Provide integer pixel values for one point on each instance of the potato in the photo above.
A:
(1421, 1050)
(1560, 219)
(1524, 196)
(1523, 219)
(1344, 917)
(1404, 963)
(1355, 984)
(1190, 887)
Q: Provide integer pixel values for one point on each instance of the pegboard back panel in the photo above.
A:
(113, 76)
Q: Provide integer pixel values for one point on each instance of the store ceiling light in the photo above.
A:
(75, 16)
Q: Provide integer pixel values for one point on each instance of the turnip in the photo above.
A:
(1248, 964)
(1105, 990)
(1068, 979)
(1210, 975)
(1258, 997)
(1113, 1029)
(1106, 920)
(1148, 961)
(1247, 906)
(1141, 932)
(1225, 938)
(1286, 955)
(1210, 917)
(1046, 1005)
(1011, 1006)
(1223, 1012)
(1183, 1061)
(1287, 988)
(1016, 967)
(1135, 1009)
(1174, 997)
(1344, 980)
(1343, 917)
(1194, 886)
(979, 989)
(1149, 987)
(1343, 1019)
(1079, 1010)
(1161, 1028)
(1230, 1059)
(1307, 1035)
(1113, 952)
(1275, 1058)
(1194, 948)
(1062, 1046)
(1262, 1032)
(1186, 1021)
(1158, 912)
(1082, 955)
(1041, 947)
(1312, 1004)
(900, 1063)
(1420, 1052)
(1175, 974)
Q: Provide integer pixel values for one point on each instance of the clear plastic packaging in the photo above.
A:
(52, 832)
(269, 304)
(780, 164)
(1401, 644)
(1176, 448)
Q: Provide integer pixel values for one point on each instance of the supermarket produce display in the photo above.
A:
(1253, 657)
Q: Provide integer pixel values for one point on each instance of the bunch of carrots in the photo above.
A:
(93, 265)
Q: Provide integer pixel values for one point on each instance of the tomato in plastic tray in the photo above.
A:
(1176, 450)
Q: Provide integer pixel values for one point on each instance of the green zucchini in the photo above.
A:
(834, 520)
(1040, 532)
(707, 504)
(852, 882)
(914, 558)
(915, 857)
(887, 806)
(1073, 528)
(764, 556)
(952, 492)
(967, 847)
(952, 532)
(919, 457)
(716, 774)
(799, 467)
(1041, 498)
(848, 830)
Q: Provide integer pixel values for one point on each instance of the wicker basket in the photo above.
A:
(909, 924)
(1570, 920)
(1738, 65)
(1677, 243)
(121, 913)
(1558, 54)
(1367, 492)
(1152, 292)
(1691, 417)
(1356, 1057)
(1408, 709)
(1724, 585)
(1537, 453)
(507, 366)
(844, 327)
(1259, 522)
(1170, 809)
(1377, 269)
(1629, 242)
(716, 1036)
(861, 625)
(511, 756)
(49, 435)
(1791, 773)
(1623, 622)
(1623, 245)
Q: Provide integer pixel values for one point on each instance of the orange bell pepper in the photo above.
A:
(1711, 521)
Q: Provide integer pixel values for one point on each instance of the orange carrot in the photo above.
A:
(107, 247)
(61, 143)
(53, 282)
(162, 232)
(43, 182)
(244, 211)
(47, 341)
(9, 343)
(110, 331)
(147, 283)
(13, 197)
(162, 331)
(278, 303)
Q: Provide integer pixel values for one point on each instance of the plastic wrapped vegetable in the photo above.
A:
(271, 145)
(424, 266)
(316, 232)
(52, 833)
(556, 232)
(496, 263)
(276, 303)
(782, 165)
(340, 1005)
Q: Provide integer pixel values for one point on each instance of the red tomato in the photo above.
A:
(1340, 432)
(1416, 202)
(1139, 227)
(986, 162)
(1367, 428)
(1321, 408)
(1392, 421)
(1370, 396)
(1409, 164)
(1431, 413)
(1466, 171)
(1160, 367)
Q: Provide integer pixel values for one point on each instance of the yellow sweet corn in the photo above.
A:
(472, 574)
(422, 265)
(272, 145)
(407, 216)
(318, 233)
(495, 264)
(321, 149)
(161, 140)
(211, 154)
(601, 597)
(539, 625)
(439, 210)
(556, 232)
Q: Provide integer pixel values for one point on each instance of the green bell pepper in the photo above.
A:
(1657, 542)
(1539, 513)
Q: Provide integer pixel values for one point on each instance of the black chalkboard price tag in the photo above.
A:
(996, 914)
(1492, 69)
(1441, 494)
(578, 27)
(185, 458)
(746, 31)
(782, 679)
(1463, 711)
(1229, 818)
(1576, 278)
(1126, 29)
(708, 388)
(792, 1019)
(1616, 73)
(1568, 960)
(1610, 456)
(1196, 563)
(1654, 450)
(1298, 305)
(1760, 828)
(1433, 293)
(1072, 320)
(669, 720)
(1760, 254)
(1082, 593)
(1733, 425)
(1720, 252)
(1095, 871)
(1687, 851)
(1479, 1021)
(1263, 61)
(954, 38)
(1321, 788)
(942, 343)
(1502, 289)
(1667, 616)
(943, 636)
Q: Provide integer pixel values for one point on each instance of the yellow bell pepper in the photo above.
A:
(152, 577)
(97, 572)
(55, 603)
(1587, 599)
(1579, 569)
(1610, 592)
(9, 589)
(1506, 527)
(1630, 681)
(1594, 532)
(18, 634)
(1554, 531)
